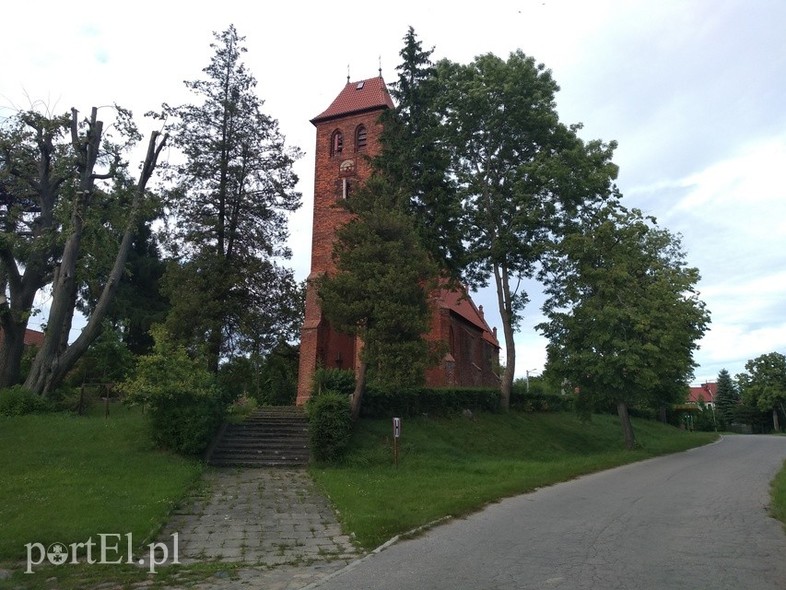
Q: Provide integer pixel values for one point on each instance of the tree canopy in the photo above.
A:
(521, 174)
(763, 385)
(623, 313)
(228, 211)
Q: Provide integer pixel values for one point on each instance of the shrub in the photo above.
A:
(337, 380)
(330, 425)
(181, 396)
(17, 401)
(384, 402)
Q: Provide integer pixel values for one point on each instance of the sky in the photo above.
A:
(693, 91)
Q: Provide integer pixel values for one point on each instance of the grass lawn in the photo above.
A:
(455, 466)
(67, 478)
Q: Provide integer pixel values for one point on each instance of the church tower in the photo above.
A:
(347, 136)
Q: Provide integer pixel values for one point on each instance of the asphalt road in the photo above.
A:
(693, 520)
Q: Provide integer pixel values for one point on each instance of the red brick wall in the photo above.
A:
(320, 345)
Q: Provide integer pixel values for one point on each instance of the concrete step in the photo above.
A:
(269, 437)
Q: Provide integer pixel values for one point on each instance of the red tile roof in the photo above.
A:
(706, 392)
(460, 303)
(358, 97)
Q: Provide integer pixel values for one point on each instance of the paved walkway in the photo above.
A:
(274, 521)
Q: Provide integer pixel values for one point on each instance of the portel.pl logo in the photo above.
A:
(109, 550)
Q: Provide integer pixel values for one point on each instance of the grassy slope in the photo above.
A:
(454, 466)
(66, 478)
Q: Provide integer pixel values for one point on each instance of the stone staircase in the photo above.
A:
(274, 436)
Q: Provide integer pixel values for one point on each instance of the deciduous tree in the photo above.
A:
(521, 173)
(36, 171)
(763, 385)
(623, 312)
(91, 149)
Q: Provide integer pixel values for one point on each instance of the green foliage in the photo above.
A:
(234, 188)
(415, 160)
(727, 399)
(764, 385)
(330, 426)
(706, 420)
(270, 380)
(623, 311)
(380, 287)
(332, 379)
(522, 175)
(107, 360)
(18, 401)
(382, 402)
(180, 395)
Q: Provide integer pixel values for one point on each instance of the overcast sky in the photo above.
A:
(694, 92)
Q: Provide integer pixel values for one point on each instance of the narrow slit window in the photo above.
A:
(336, 143)
(361, 137)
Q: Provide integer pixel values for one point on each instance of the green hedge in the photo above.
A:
(380, 403)
(330, 425)
(540, 402)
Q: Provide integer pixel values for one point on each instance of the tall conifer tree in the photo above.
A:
(229, 207)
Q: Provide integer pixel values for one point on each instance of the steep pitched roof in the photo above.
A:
(706, 392)
(460, 303)
(358, 97)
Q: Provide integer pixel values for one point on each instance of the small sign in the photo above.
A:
(396, 427)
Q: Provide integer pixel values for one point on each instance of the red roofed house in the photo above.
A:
(703, 393)
(32, 337)
(347, 132)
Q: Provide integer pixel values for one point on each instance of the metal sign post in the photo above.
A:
(396, 436)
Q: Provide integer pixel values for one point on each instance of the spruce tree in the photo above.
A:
(727, 398)
(414, 159)
(380, 290)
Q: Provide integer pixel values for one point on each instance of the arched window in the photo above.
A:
(361, 136)
(336, 143)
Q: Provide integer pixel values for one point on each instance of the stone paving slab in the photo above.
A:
(274, 521)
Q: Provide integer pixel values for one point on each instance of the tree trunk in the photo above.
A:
(506, 314)
(775, 422)
(11, 352)
(360, 388)
(51, 364)
(627, 426)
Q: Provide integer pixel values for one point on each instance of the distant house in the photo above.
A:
(32, 337)
(703, 393)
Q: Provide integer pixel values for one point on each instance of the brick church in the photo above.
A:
(348, 132)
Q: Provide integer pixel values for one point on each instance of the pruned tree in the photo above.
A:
(90, 149)
(763, 385)
(379, 291)
(522, 175)
(229, 203)
(36, 172)
(623, 313)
